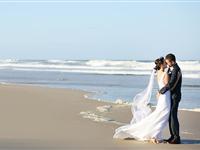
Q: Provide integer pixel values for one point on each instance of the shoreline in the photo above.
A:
(87, 93)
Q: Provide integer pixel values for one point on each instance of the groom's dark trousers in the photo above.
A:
(174, 85)
(173, 118)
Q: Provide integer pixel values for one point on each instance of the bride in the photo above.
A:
(145, 124)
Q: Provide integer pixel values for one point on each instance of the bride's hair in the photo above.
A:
(158, 63)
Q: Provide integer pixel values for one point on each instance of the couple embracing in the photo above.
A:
(147, 125)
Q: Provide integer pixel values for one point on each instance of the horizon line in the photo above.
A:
(86, 59)
(99, 1)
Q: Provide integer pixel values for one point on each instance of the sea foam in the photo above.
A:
(190, 69)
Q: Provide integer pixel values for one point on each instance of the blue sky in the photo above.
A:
(99, 30)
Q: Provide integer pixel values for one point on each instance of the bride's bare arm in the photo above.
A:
(166, 79)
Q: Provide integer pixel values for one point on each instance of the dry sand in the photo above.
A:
(49, 118)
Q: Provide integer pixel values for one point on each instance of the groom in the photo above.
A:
(174, 85)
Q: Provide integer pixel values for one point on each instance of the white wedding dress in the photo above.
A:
(151, 125)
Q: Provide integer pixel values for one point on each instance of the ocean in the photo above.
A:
(107, 80)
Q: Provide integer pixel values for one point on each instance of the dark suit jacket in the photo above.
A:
(175, 91)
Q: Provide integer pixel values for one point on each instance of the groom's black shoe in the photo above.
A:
(168, 140)
(175, 141)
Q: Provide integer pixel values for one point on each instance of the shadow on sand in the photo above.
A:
(183, 141)
(190, 141)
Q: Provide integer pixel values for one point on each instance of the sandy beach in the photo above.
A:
(48, 118)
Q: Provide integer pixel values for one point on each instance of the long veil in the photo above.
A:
(140, 108)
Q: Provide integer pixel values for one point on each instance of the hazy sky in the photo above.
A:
(100, 30)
